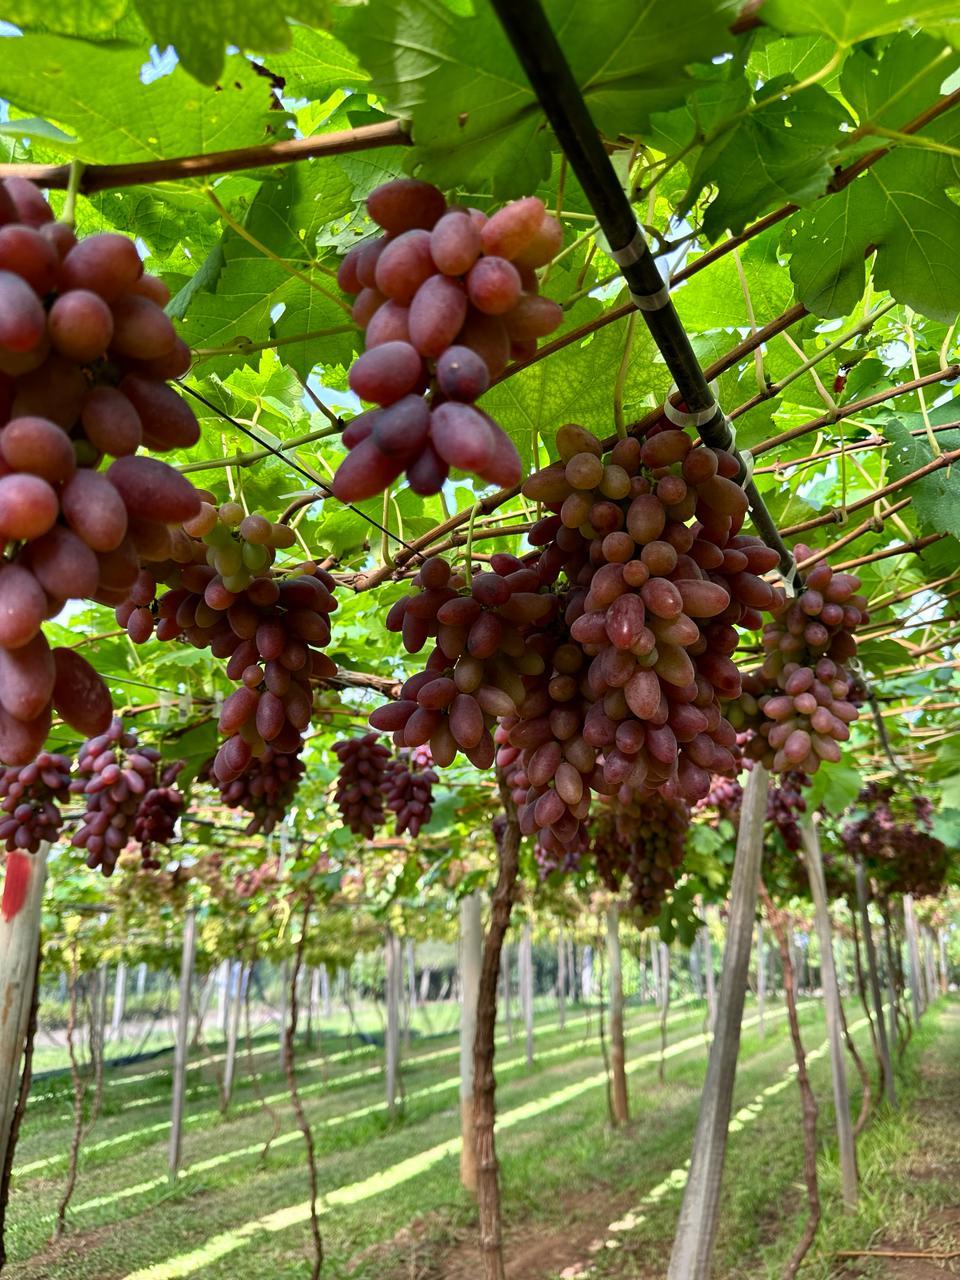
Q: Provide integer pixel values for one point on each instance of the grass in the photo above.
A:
(566, 1174)
(162, 1221)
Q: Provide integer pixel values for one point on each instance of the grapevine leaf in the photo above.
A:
(934, 495)
(200, 33)
(474, 114)
(847, 22)
(78, 86)
(834, 786)
(89, 18)
(899, 209)
(780, 152)
(316, 64)
(577, 388)
(894, 88)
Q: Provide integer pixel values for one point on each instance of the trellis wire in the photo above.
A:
(277, 453)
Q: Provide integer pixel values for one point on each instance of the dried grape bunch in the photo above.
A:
(158, 814)
(799, 702)
(114, 773)
(446, 296)
(85, 353)
(225, 595)
(359, 793)
(30, 800)
(408, 789)
(265, 789)
(642, 841)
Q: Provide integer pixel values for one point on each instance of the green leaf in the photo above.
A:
(889, 85)
(201, 32)
(576, 388)
(316, 64)
(284, 218)
(88, 18)
(847, 22)
(834, 786)
(32, 127)
(475, 117)
(95, 93)
(897, 209)
(934, 495)
(780, 152)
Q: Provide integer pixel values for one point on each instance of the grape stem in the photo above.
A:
(68, 214)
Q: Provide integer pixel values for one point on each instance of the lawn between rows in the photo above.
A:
(763, 1208)
(557, 1144)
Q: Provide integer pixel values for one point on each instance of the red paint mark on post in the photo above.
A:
(16, 883)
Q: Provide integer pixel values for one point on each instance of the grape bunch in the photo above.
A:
(893, 838)
(601, 658)
(85, 353)
(114, 774)
(785, 802)
(658, 578)
(799, 702)
(225, 596)
(446, 295)
(359, 793)
(408, 789)
(30, 800)
(475, 672)
(157, 816)
(642, 841)
(725, 798)
(265, 789)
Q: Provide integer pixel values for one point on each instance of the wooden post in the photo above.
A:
(761, 982)
(697, 1227)
(942, 948)
(471, 955)
(707, 943)
(223, 997)
(20, 916)
(235, 983)
(618, 1051)
(929, 970)
(891, 982)
(913, 954)
(572, 972)
(187, 956)
(664, 1008)
(119, 999)
(586, 974)
(562, 981)
(831, 999)
(863, 903)
(394, 978)
(655, 972)
(526, 986)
